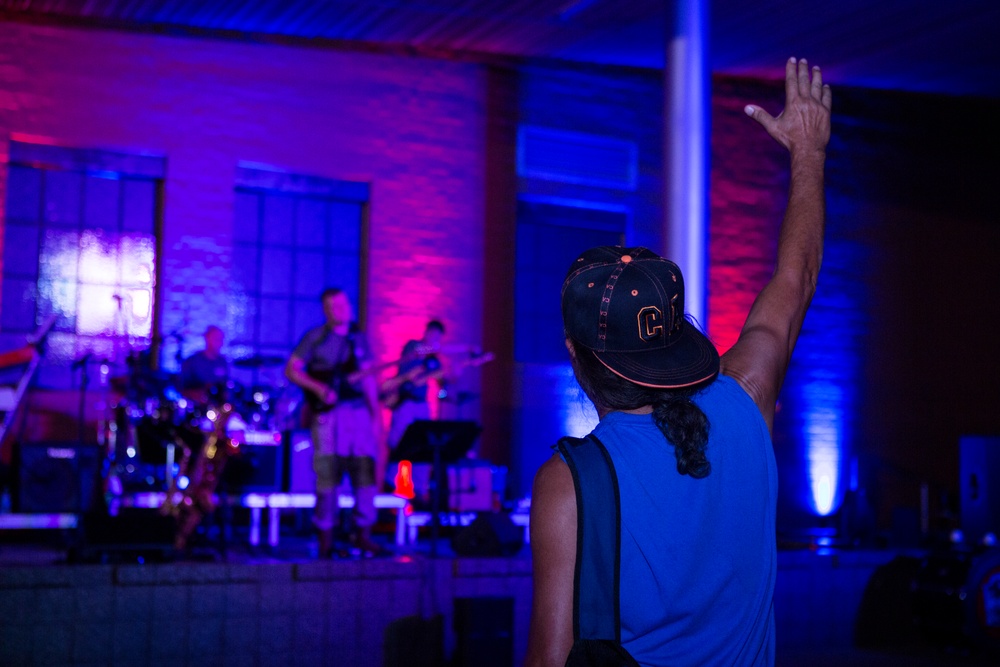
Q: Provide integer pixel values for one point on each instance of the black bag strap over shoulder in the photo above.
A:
(596, 599)
(596, 611)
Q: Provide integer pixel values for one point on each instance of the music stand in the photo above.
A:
(437, 443)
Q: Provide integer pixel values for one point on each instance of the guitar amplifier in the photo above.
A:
(56, 477)
(260, 466)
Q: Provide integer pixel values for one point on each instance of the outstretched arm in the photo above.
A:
(760, 357)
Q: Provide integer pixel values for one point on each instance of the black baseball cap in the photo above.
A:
(626, 305)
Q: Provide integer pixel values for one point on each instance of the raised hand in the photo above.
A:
(804, 124)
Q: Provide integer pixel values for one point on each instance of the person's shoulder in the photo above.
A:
(554, 477)
(728, 400)
(725, 387)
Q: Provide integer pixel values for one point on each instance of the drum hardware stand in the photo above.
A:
(32, 352)
(81, 365)
(179, 352)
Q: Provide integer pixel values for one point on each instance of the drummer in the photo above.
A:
(204, 374)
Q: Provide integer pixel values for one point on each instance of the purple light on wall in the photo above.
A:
(823, 438)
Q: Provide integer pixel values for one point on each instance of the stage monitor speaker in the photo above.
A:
(299, 477)
(489, 534)
(980, 486)
(56, 477)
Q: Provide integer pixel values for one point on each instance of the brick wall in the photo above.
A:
(413, 128)
(895, 359)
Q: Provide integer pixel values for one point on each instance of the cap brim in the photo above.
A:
(689, 360)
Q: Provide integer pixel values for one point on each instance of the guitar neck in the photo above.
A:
(419, 376)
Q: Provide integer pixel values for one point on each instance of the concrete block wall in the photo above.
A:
(359, 613)
(317, 613)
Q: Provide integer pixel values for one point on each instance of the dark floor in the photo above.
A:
(919, 656)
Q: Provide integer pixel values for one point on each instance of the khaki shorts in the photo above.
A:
(346, 430)
(330, 470)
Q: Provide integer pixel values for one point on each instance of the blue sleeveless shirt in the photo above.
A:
(699, 556)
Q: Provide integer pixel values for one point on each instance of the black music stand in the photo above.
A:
(437, 443)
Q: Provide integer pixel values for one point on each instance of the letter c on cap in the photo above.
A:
(650, 323)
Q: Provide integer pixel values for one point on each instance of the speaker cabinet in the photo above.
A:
(980, 500)
(56, 477)
(489, 534)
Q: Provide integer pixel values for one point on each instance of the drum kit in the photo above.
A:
(156, 420)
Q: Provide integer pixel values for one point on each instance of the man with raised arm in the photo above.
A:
(684, 437)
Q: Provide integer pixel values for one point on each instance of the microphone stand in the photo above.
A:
(81, 363)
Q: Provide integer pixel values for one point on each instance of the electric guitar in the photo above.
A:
(389, 391)
(339, 380)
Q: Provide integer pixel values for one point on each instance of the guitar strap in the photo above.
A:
(350, 364)
(336, 376)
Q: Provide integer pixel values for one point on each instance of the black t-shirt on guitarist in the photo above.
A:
(330, 358)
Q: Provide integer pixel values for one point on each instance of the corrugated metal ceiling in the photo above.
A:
(918, 45)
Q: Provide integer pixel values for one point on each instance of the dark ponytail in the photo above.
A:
(682, 422)
(686, 427)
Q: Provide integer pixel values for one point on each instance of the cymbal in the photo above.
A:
(258, 360)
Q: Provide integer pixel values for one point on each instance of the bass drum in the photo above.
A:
(982, 602)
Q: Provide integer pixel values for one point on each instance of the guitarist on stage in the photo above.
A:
(344, 417)
(408, 394)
